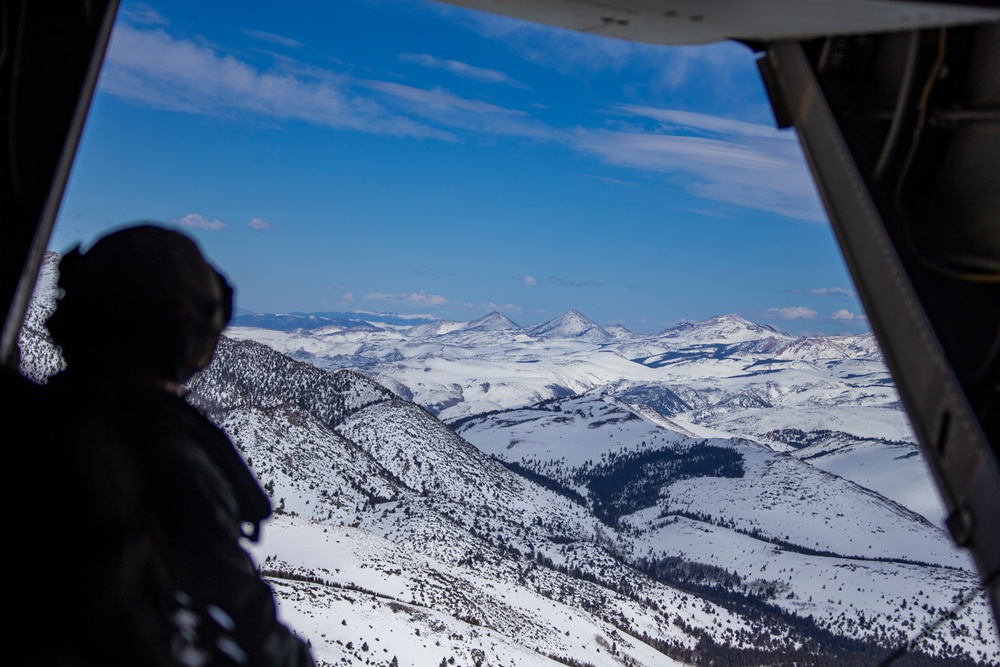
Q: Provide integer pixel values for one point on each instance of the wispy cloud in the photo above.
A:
(710, 212)
(544, 45)
(718, 71)
(420, 297)
(606, 179)
(260, 225)
(141, 14)
(795, 313)
(719, 159)
(198, 221)
(530, 281)
(706, 123)
(439, 100)
(444, 108)
(714, 158)
(569, 50)
(461, 69)
(280, 40)
(150, 66)
(844, 315)
(836, 292)
(153, 68)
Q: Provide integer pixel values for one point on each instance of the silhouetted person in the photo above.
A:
(149, 499)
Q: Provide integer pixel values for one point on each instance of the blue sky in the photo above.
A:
(411, 157)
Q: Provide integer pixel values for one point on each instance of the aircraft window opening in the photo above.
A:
(441, 201)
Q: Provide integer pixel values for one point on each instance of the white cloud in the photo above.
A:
(142, 15)
(705, 122)
(531, 281)
(433, 299)
(347, 296)
(198, 221)
(440, 100)
(260, 225)
(459, 68)
(713, 158)
(832, 291)
(420, 297)
(796, 313)
(272, 38)
(572, 52)
(844, 314)
(749, 165)
(441, 107)
(151, 67)
(722, 75)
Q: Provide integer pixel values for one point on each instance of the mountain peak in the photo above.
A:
(729, 328)
(734, 320)
(574, 317)
(572, 324)
(728, 317)
(620, 331)
(495, 321)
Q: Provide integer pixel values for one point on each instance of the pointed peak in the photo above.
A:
(729, 318)
(571, 324)
(435, 328)
(574, 316)
(620, 331)
(494, 321)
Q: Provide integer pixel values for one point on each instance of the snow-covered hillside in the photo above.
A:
(39, 357)
(623, 543)
(726, 364)
(727, 375)
(633, 509)
(731, 503)
(453, 530)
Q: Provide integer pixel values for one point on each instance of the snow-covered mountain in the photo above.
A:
(493, 322)
(626, 514)
(724, 374)
(725, 329)
(622, 523)
(571, 325)
(457, 369)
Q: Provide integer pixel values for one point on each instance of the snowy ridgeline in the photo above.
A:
(656, 518)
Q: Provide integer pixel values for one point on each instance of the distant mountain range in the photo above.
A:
(457, 369)
(718, 492)
(572, 324)
(347, 320)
